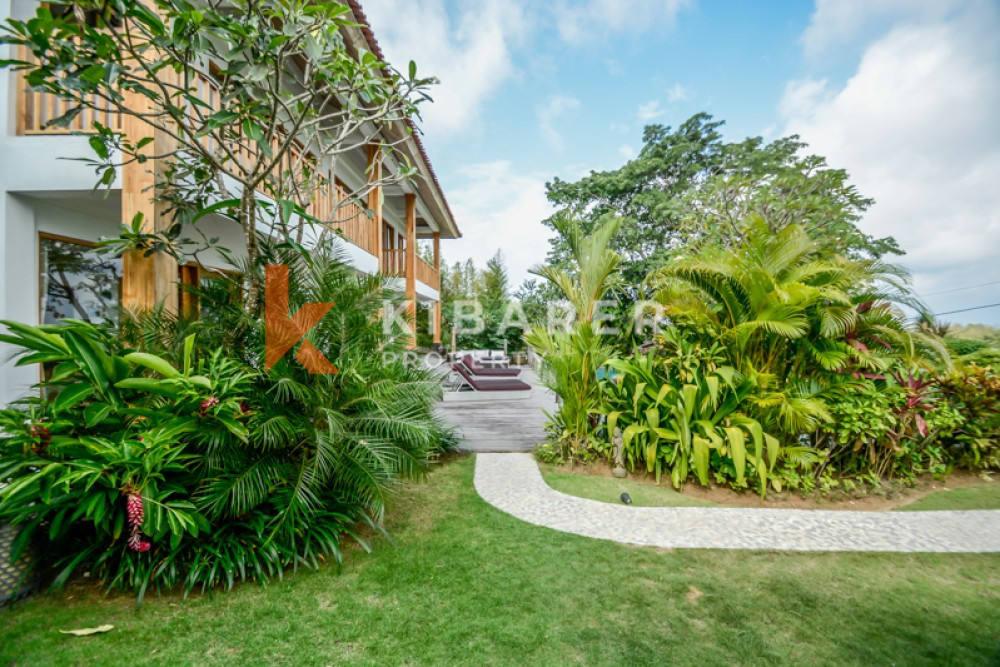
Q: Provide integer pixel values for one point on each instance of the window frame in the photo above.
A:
(60, 238)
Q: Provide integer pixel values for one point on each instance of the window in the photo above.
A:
(218, 286)
(78, 282)
(93, 18)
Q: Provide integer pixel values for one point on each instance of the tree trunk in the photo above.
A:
(248, 220)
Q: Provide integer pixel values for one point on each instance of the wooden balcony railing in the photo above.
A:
(427, 274)
(333, 203)
(35, 110)
(330, 201)
(394, 261)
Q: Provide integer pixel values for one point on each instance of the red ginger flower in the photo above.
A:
(135, 512)
(208, 404)
(44, 438)
(136, 543)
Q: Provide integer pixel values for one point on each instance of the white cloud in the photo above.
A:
(549, 114)
(583, 22)
(470, 52)
(627, 152)
(836, 23)
(678, 93)
(916, 128)
(500, 207)
(650, 110)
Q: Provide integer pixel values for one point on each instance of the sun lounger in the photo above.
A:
(485, 358)
(482, 384)
(474, 367)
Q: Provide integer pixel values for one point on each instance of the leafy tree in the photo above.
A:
(463, 284)
(495, 289)
(774, 184)
(645, 193)
(289, 97)
(535, 298)
(688, 187)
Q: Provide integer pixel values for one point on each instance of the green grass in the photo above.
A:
(466, 583)
(980, 497)
(609, 490)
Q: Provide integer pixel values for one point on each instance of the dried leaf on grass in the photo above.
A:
(83, 632)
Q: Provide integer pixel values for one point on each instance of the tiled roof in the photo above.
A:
(373, 45)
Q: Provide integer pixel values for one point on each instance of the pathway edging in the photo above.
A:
(514, 484)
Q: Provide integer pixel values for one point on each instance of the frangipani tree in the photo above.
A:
(243, 98)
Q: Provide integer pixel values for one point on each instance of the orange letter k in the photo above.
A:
(282, 332)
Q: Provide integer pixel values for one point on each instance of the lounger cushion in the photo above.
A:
(476, 369)
(480, 384)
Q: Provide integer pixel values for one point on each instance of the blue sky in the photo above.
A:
(902, 93)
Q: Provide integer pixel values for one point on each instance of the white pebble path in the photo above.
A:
(514, 484)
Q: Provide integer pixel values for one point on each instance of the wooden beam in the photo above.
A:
(411, 266)
(375, 201)
(437, 304)
(146, 281)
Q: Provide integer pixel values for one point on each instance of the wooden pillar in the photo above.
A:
(411, 265)
(375, 202)
(146, 281)
(190, 276)
(437, 304)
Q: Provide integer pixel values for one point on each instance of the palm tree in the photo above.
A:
(594, 265)
(789, 320)
(570, 359)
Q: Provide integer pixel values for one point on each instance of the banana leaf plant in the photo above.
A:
(678, 417)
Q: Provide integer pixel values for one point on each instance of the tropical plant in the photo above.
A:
(892, 426)
(791, 321)
(975, 392)
(570, 363)
(678, 408)
(187, 469)
(593, 265)
(571, 357)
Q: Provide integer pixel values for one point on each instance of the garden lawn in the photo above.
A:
(466, 583)
(980, 497)
(610, 489)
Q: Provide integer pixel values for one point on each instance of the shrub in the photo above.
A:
(975, 393)
(679, 412)
(893, 427)
(570, 363)
(197, 470)
(964, 346)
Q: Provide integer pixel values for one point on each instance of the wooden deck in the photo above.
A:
(502, 426)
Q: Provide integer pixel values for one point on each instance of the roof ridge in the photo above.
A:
(373, 45)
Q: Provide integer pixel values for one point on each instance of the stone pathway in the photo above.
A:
(513, 483)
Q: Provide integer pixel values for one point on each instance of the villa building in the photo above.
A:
(51, 215)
